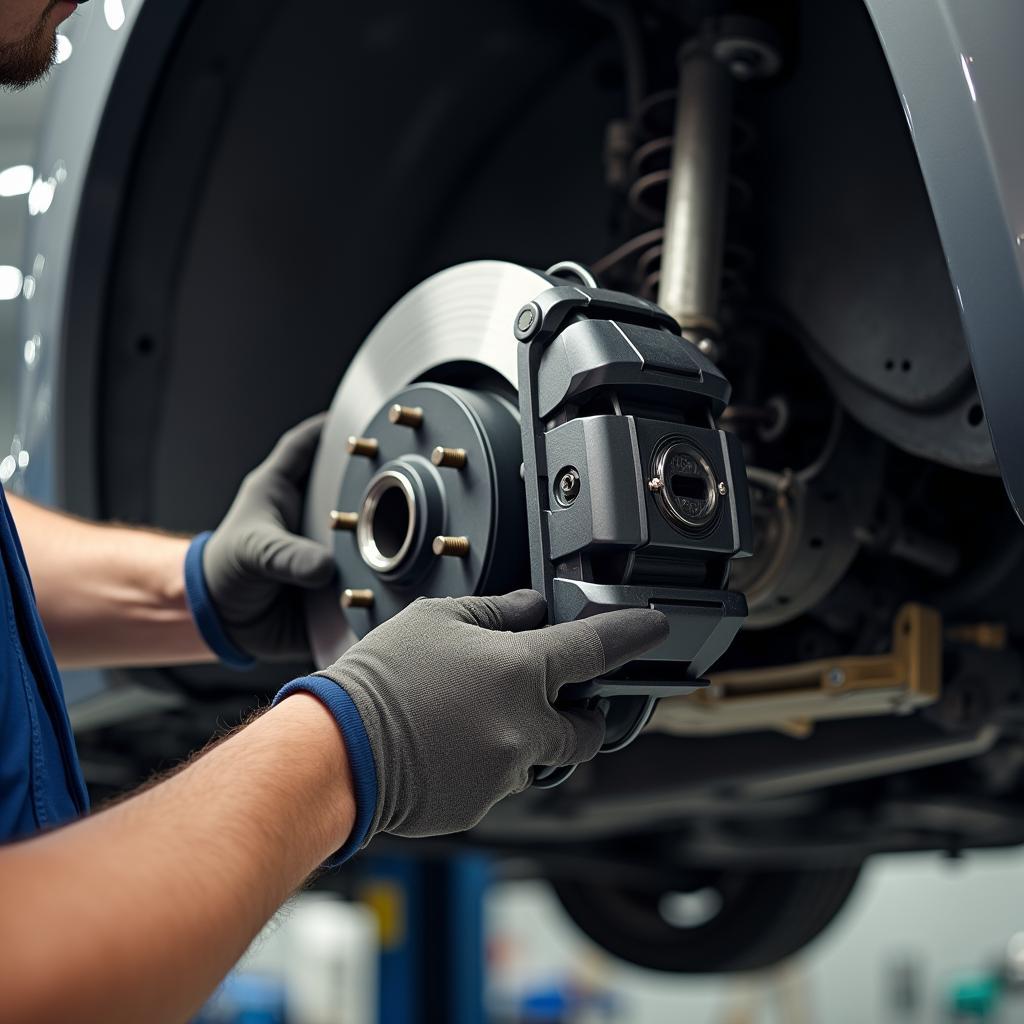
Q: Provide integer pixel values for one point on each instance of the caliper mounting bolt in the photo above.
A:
(527, 321)
(357, 599)
(453, 458)
(453, 547)
(344, 520)
(365, 446)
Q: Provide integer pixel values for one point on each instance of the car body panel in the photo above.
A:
(958, 70)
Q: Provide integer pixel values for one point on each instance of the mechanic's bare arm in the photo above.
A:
(108, 595)
(135, 914)
(114, 595)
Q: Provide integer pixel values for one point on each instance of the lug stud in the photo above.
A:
(344, 520)
(454, 547)
(406, 416)
(365, 446)
(357, 599)
(453, 458)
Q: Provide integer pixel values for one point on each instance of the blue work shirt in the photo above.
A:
(41, 783)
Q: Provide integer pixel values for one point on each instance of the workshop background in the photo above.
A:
(924, 938)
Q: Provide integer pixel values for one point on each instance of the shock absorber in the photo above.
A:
(725, 51)
(677, 180)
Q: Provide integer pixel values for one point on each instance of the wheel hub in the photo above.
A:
(432, 506)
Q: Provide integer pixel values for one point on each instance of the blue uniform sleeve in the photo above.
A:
(360, 754)
(203, 612)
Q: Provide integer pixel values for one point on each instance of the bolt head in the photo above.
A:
(723, 488)
(569, 486)
(708, 348)
(655, 485)
(527, 321)
(836, 677)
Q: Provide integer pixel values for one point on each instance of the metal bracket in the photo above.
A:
(790, 698)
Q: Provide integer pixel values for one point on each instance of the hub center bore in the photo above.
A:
(387, 522)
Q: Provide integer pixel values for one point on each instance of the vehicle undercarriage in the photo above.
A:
(767, 193)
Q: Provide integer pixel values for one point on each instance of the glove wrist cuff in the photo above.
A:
(200, 604)
(358, 750)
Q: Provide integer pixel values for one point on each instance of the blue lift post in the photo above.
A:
(430, 914)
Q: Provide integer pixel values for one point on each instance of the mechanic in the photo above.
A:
(136, 912)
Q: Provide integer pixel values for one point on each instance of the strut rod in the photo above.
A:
(733, 47)
(691, 256)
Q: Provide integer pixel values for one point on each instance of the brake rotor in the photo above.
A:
(451, 323)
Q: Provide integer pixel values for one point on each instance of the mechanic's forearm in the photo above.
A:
(108, 595)
(136, 913)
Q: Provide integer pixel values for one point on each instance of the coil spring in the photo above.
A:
(635, 265)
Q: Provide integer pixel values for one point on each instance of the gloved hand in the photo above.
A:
(455, 699)
(254, 567)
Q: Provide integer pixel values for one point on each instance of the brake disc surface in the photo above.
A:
(461, 315)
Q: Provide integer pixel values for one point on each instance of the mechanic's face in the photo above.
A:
(28, 38)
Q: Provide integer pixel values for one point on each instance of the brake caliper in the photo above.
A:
(634, 497)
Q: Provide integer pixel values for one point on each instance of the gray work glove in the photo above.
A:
(455, 695)
(256, 566)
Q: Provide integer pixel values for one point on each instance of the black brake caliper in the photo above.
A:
(634, 497)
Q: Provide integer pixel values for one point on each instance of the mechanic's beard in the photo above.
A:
(29, 59)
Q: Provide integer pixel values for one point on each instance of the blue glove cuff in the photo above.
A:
(203, 612)
(360, 755)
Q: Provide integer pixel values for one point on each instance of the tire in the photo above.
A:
(714, 921)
